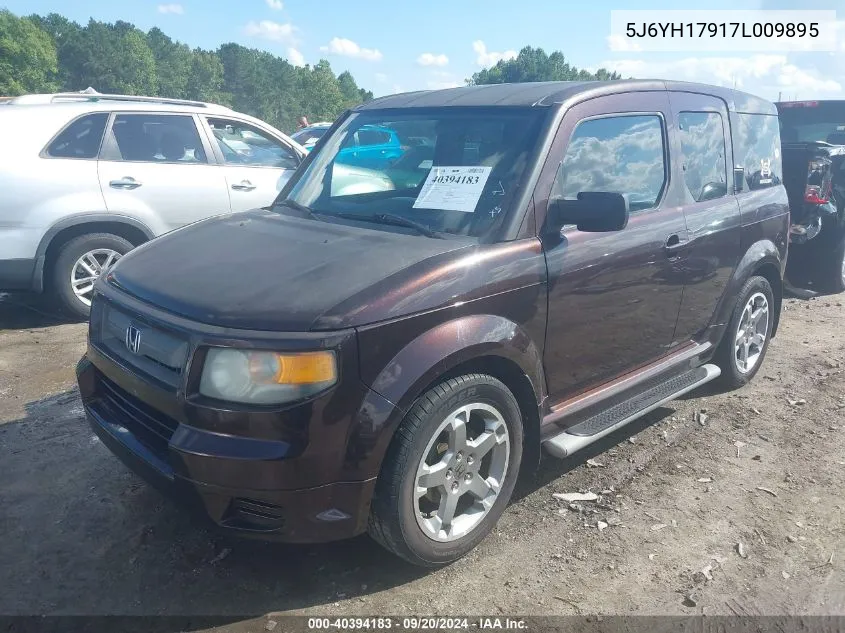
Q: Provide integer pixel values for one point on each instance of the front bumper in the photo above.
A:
(193, 466)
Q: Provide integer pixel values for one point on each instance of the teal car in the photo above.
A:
(371, 147)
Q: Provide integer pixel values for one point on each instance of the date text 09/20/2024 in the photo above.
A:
(416, 623)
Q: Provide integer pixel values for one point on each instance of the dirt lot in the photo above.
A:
(764, 469)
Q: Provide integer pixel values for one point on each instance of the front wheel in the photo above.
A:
(746, 340)
(449, 472)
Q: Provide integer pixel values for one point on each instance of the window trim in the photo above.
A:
(728, 169)
(44, 153)
(664, 131)
(218, 153)
(110, 152)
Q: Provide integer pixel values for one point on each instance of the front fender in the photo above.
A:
(444, 347)
(427, 358)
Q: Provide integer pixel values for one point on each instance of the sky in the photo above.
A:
(401, 45)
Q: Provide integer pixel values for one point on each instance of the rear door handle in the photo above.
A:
(127, 182)
(243, 185)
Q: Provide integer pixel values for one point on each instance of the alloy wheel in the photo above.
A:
(751, 333)
(87, 269)
(461, 472)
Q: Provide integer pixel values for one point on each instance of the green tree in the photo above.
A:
(205, 79)
(120, 58)
(533, 64)
(28, 61)
(174, 64)
(113, 58)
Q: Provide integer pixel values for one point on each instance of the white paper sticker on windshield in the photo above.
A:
(453, 188)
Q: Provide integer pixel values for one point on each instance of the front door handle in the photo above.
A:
(243, 185)
(675, 242)
(127, 182)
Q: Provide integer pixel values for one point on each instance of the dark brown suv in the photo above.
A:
(393, 341)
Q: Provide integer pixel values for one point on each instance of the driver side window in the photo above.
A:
(617, 154)
(245, 145)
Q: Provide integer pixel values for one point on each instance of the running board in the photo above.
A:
(606, 422)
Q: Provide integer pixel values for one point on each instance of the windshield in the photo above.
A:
(805, 122)
(453, 170)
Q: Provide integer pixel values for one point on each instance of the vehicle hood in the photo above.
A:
(263, 270)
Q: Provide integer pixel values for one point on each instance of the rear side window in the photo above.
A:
(756, 140)
(618, 154)
(158, 138)
(703, 148)
(80, 139)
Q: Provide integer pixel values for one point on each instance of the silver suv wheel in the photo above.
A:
(87, 269)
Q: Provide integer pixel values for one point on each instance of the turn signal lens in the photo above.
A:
(292, 369)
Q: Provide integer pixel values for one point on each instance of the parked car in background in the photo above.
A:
(813, 139)
(92, 176)
(371, 147)
(308, 136)
(560, 259)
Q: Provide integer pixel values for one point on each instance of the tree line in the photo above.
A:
(51, 53)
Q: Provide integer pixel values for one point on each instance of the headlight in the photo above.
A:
(265, 377)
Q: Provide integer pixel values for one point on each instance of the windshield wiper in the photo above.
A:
(395, 220)
(293, 204)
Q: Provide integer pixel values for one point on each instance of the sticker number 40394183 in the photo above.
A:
(453, 188)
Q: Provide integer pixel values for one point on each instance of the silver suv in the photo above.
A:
(85, 178)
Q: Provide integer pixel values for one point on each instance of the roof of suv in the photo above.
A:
(549, 93)
(98, 102)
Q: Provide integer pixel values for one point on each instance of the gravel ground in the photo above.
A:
(719, 504)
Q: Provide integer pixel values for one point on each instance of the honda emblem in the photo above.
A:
(133, 339)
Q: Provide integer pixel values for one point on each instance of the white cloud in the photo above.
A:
(381, 77)
(430, 59)
(617, 43)
(295, 57)
(762, 74)
(347, 48)
(397, 88)
(171, 8)
(276, 5)
(269, 30)
(485, 58)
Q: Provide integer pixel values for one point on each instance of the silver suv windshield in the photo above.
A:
(446, 171)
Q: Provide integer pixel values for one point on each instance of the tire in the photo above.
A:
(98, 245)
(397, 517)
(728, 357)
(835, 267)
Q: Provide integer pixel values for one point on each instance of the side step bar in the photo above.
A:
(606, 422)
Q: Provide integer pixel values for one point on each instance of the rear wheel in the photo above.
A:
(835, 269)
(450, 471)
(78, 266)
(746, 340)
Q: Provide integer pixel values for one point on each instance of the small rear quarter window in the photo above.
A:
(756, 140)
(81, 138)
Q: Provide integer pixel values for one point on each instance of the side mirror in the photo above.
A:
(592, 211)
(712, 191)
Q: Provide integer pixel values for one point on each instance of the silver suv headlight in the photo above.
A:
(261, 377)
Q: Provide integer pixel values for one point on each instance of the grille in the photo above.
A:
(160, 354)
(151, 427)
